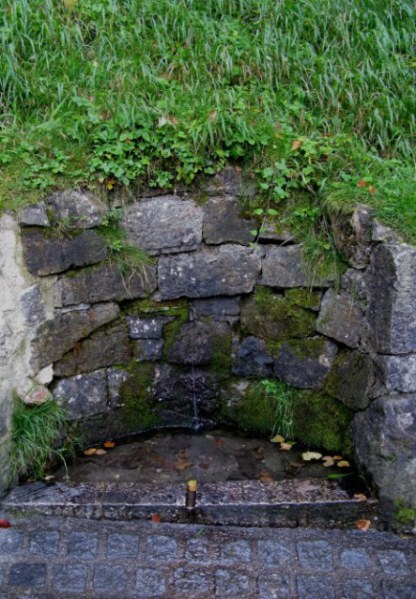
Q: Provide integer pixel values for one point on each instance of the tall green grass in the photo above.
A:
(205, 82)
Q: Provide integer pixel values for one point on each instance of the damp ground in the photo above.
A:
(214, 456)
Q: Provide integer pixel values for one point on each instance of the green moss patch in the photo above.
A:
(305, 298)
(138, 409)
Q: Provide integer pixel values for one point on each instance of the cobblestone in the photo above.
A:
(75, 558)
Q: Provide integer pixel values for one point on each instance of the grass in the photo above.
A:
(37, 432)
(312, 95)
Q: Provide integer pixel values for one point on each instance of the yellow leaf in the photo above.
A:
(311, 455)
(100, 452)
(109, 444)
(182, 464)
(360, 497)
(337, 457)
(343, 464)
(90, 451)
(327, 461)
(285, 446)
(277, 439)
(363, 524)
(265, 476)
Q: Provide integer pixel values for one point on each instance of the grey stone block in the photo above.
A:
(393, 562)
(11, 541)
(221, 308)
(47, 255)
(341, 319)
(305, 363)
(351, 379)
(147, 328)
(196, 343)
(384, 439)
(358, 589)
(315, 587)
(315, 555)
(110, 581)
(284, 267)
(236, 551)
(274, 554)
(198, 550)
(355, 559)
(164, 224)
(274, 586)
(398, 372)
(27, 574)
(75, 209)
(399, 590)
(352, 235)
(56, 337)
(161, 548)
(223, 222)
(32, 306)
(122, 545)
(229, 583)
(83, 395)
(69, 578)
(148, 350)
(45, 543)
(104, 283)
(253, 359)
(82, 544)
(150, 583)
(392, 293)
(115, 378)
(189, 583)
(34, 215)
(225, 270)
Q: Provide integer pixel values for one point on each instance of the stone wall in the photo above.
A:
(209, 316)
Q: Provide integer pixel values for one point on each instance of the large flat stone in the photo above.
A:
(106, 347)
(46, 254)
(398, 372)
(223, 222)
(103, 283)
(351, 379)
(341, 319)
(352, 235)
(392, 299)
(197, 343)
(385, 444)
(217, 308)
(164, 224)
(225, 270)
(252, 359)
(284, 266)
(305, 363)
(147, 328)
(83, 395)
(56, 337)
(75, 210)
(34, 215)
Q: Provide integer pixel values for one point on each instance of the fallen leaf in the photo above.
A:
(109, 444)
(363, 524)
(360, 497)
(90, 451)
(265, 476)
(182, 464)
(371, 189)
(49, 477)
(285, 446)
(328, 461)
(311, 455)
(297, 144)
(343, 464)
(5, 523)
(155, 518)
(337, 457)
(277, 439)
(100, 452)
(362, 183)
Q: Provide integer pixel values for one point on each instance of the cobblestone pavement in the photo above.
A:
(50, 557)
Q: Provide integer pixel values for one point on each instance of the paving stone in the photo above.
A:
(122, 545)
(82, 544)
(110, 581)
(274, 586)
(229, 583)
(315, 555)
(193, 583)
(10, 541)
(274, 553)
(160, 548)
(398, 590)
(27, 574)
(197, 550)
(150, 583)
(315, 587)
(236, 551)
(32, 595)
(69, 578)
(358, 589)
(3, 572)
(356, 559)
(45, 543)
(393, 562)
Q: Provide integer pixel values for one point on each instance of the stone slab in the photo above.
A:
(341, 319)
(82, 395)
(223, 222)
(285, 267)
(75, 209)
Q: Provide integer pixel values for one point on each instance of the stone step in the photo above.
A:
(303, 502)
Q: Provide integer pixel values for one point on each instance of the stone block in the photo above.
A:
(217, 308)
(351, 379)
(384, 438)
(163, 225)
(231, 181)
(34, 215)
(305, 363)
(56, 337)
(196, 343)
(398, 372)
(392, 297)
(148, 350)
(76, 210)
(115, 379)
(253, 359)
(352, 235)
(82, 395)
(223, 223)
(284, 266)
(32, 306)
(225, 270)
(341, 319)
(104, 283)
(147, 328)
(26, 574)
(46, 254)
(106, 347)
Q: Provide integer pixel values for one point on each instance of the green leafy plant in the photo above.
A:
(39, 437)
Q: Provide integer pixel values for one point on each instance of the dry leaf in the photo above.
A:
(155, 518)
(360, 497)
(363, 524)
(327, 461)
(362, 183)
(265, 476)
(277, 439)
(90, 451)
(182, 464)
(337, 457)
(109, 444)
(311, 455)
(49, 477)
(371, 189)
(5, 523)
(296, 144)
(343, 464)
(100, 452)
(69, 4)
(285, 446)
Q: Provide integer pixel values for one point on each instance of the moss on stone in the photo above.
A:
(275, 317)
(405, 515)
(222, 359)
(310, 348)
(151, 307)
(138, 409)
(321, 421)
(305, 298)
(171, 329)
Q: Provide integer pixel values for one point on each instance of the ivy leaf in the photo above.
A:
(311, 455)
